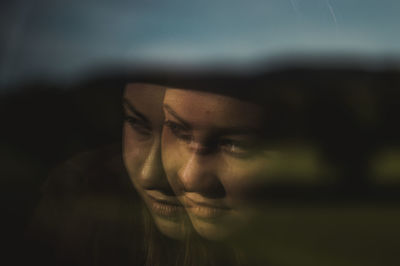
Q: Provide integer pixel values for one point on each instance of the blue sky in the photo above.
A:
(65, 39)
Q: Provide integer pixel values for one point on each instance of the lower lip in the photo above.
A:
(166, 209)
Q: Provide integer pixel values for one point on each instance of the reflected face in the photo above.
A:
(213, 158)
(142, 156)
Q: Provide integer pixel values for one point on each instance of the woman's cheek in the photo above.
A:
(244, 179)
(134, 152)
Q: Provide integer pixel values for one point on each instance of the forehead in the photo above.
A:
(204, 109)
(146, 99)
(142, 92)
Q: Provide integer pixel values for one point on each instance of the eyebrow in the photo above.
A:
(176, 116)
(134, 110)
(246, 130)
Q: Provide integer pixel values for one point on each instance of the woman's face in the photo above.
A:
(142, 156)
(213, 157)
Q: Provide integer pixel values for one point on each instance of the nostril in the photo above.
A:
(206, 189)
(198, 175)
(216, 190)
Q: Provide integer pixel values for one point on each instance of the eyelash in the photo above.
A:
(137, 125)
(227, 145)
(177, 129)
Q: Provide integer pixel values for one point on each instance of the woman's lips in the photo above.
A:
(204, 209)
(164, 205)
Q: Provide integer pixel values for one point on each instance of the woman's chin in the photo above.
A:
(212, 230)
(172, 228)
(222, 228)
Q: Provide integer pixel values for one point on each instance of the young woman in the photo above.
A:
(222, 148)
(214, 157)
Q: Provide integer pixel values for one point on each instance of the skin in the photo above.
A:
(142, 157)
(213, 158)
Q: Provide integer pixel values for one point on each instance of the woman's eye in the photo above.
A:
(235, 147)
(178, 131)
(138, 125)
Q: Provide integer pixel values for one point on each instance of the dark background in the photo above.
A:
(43, 125)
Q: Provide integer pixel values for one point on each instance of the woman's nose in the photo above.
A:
(198, 174)
(152, 174)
